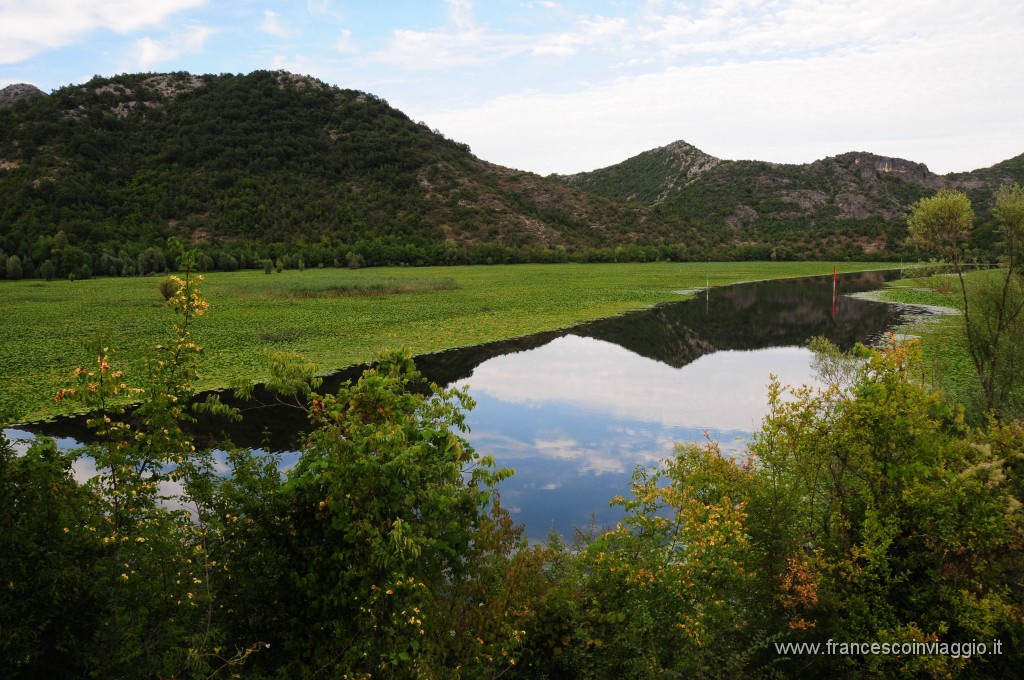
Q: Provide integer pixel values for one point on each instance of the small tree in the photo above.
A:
(14, 270)
(942, 224)
(876, 514)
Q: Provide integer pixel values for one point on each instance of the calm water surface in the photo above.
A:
(575, 411)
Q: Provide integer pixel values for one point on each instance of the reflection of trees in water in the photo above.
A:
(741, 317)
(750, 316)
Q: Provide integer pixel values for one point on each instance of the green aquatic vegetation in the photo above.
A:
(385, 287)
(49, 325)
(947, 356)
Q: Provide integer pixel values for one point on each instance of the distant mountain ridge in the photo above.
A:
(282, 167)
(860, 197)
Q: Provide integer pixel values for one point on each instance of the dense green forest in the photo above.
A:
(868, 511)
(280, 167)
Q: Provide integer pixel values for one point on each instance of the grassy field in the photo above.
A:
(947, 361)
(335, 317)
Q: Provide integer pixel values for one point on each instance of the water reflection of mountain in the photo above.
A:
(742, 317)
(752, 316)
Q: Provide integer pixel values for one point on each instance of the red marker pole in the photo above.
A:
(833, 291)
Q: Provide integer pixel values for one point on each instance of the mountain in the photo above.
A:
(855, 201)
(15, 93)
(274, 165)
(649, 178)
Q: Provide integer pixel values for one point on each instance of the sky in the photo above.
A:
(573, 85)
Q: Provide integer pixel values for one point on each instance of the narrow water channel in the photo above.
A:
(575, 411)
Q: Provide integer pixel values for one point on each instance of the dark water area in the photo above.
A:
(575, 411)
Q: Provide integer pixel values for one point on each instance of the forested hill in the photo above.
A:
(857, 198)
(275, 165)
(94, 178)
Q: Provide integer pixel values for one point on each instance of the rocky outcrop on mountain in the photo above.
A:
(12, 94)
(869, 167)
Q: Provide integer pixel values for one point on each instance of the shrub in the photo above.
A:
(169, 286)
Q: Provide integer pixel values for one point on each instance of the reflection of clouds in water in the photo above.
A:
(502, 447)
(84, 469)
(20, 440)
(599, 457)
(593, 460)
(723, 391)
(732, 444)
(170, 493)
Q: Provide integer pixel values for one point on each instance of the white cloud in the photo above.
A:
(895, 98)
(423, 51)
(272, 25)
(601, 31)
(788, 81)
(149, 52)
(344, 43)
(469, 43)
(460, 13)
(463, 44)
(31, 27)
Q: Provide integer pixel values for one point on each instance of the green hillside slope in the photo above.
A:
(272, 165)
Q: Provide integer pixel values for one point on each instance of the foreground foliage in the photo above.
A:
(867, 511)
(888, 519)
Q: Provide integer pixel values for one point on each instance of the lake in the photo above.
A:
(575, 411)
